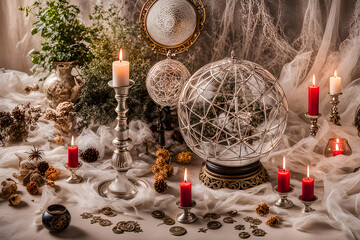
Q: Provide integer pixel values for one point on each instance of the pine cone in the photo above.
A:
(160, 161)
(163, 153)
(262, 209)
(160, 186)
(183, 157)
(51, 174)
(160, 176)
(272, 221)
(18, 114)
(90, 155)
(156, 169)
(42, 167)
(176, 136)
(5, 119)
(168, 169)
(32, 188)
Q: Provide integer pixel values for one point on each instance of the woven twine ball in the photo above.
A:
(165, 81)
(232, 112)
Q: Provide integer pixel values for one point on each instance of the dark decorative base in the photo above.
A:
(239, 178)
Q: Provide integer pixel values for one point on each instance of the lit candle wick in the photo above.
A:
(72, 141)
(284, 159)
(308, 171)
(314, 80)
(185, 175)
(120, 56)
(335, 73)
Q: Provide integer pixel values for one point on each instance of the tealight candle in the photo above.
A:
(338, 150)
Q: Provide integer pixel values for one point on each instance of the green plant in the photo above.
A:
(96, 102)
(65, 36)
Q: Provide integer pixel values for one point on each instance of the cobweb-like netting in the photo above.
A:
(293, 40)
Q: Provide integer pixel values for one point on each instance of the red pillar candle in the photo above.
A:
(185, 192)
(283, 179)
(307, 187)
(313, 99)
(337, 150)
(73, 154)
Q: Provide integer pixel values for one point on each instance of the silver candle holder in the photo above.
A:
(334, 115)
(283, 202)
(314, 127)
(121, 187)
(307, 204)
(186, 217)
(74, 178)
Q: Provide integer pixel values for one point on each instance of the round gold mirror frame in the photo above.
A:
(184, 46)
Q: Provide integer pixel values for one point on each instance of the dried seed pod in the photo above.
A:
(32, 188)
(36, 177)
(183, 157)
(160, 186)
(8, 187)
(262, 209)
(42, 167)
(14, 199)
(51, 174)
(273, 220)
(163, 153)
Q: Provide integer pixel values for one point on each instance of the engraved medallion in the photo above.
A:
(177, 231)
(214, 225)
(158, 214)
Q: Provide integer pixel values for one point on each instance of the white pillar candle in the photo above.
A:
(120, 72)
(335, 85)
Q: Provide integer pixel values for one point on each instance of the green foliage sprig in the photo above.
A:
(97, 103)
(65, 36)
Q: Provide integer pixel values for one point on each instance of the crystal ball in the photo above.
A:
(232, 112)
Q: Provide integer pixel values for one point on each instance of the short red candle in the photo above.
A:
(73, 154)
(337, 150)
(313, 99)
(283, 179)
(185, 192)
(307, 188)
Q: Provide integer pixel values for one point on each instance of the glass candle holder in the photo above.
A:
(337, 146)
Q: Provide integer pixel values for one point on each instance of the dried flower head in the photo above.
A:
(35, 153)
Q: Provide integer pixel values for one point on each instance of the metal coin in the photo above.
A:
(233, 213)
(215, 216)
(106, 211)
(256, 221)
(214, 225)
(253, 226)
(169, 221)
(229, 220)
(158, 214)
(97, 218)
(105, 222)
(244, 235)
(128, 226)
(258, 232)
(86, 215)
(117, 230)
(112, 214)
(248, 219)
(239, 227)
(177, 231)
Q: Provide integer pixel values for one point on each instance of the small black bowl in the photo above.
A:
(56, 218)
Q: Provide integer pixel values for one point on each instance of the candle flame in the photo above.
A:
(335, 73)
(337, 140)
(284, 159)
(308, 171)
(120, 56)
(314, 79)
(337, 147)
(72, 141)
(185, 175)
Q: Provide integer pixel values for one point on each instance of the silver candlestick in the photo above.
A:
(308, 204)
(186, 217)
(121, 187)
(334, 115)
(74, 178)
(283, 202)
(314, 127)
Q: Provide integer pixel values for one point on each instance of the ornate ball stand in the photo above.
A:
(308, 204)
(74, 178)
(334, 115)
(314, 127)
(121, 187)
(186, 217)
(283, 202)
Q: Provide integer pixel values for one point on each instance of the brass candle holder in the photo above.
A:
(283, 202)
(74, 178)
(314, 127)
(307, 204)
(121, 187)
(186, 217)
(334, 115)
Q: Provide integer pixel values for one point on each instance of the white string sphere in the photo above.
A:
(165, 80)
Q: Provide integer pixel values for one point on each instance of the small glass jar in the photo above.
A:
(337, 146)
